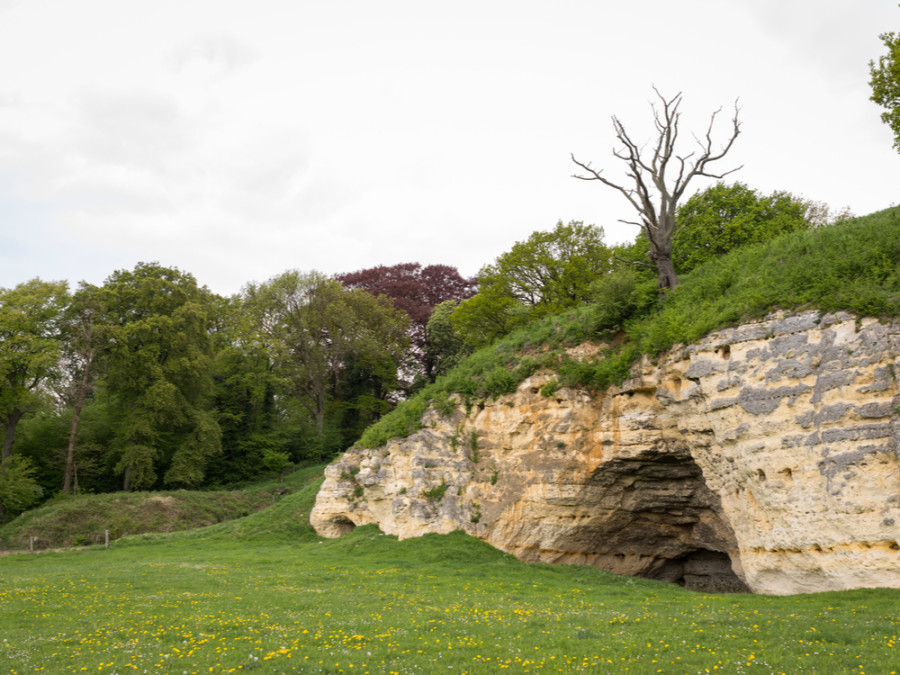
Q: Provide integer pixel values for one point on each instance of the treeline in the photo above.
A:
(152, 381)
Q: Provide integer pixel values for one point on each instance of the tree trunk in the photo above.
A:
(73, 433)
(10, 434)
(666, 278)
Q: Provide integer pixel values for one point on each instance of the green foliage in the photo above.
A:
(549, 389)
(404, 420)
(851, 266)
(620, 296)
(444, 348)
(336, 350)
(475, 515)
(487, 316)
(31, 316)
(18, 487)
(724, 217)
(436, 493)
(546, 274)
(473, 454)
(158, 375)
(885, 84)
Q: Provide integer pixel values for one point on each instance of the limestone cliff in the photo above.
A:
(764, 458)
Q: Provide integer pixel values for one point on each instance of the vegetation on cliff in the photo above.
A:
(853, 265)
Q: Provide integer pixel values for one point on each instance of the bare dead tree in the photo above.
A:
(652, 194)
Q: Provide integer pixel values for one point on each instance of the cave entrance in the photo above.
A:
(652, 515)
(343, 525)
(702, 570)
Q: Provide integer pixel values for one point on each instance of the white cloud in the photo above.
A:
(237, 142)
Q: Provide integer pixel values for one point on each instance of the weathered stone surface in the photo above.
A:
(764, 458)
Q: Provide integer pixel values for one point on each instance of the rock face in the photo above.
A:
(764, 458)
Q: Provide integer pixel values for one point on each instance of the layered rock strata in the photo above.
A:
(764, 458)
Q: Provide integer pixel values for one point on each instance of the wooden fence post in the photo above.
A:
(107, 538)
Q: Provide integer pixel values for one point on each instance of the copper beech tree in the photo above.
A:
(658, 177)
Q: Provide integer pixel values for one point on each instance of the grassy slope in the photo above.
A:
(853, 266)
(84, 519)
(264, 594)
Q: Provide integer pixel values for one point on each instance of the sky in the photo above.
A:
(236, 140)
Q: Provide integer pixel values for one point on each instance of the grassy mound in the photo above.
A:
(83, 520)
(853, 266)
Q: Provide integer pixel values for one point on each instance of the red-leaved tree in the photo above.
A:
(416, 290)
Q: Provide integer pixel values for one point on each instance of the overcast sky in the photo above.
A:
(236, 140)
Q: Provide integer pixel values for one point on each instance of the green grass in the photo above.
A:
(83, 520)
(238, 599)
(853, 266)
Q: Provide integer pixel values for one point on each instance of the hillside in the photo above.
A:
(83, 520)
(853, 266)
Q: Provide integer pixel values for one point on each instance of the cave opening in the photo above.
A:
(654, 516)
(343, 525)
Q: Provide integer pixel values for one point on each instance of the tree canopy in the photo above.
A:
(316, 333)
(724, 217)
(158, 324)
(547, 273)
(885, 84)
(30, 324)
(416, 290)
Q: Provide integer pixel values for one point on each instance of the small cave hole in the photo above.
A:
(343, 525)
(894, 546)
(761, 475)
(725, 352)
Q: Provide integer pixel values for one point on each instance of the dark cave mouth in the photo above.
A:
(660, 520)
(701, 570)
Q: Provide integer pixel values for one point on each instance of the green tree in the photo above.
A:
(885, 84)
(18, 487)
(550, 271)
(545, 274)
(724, 217)
(443, 346)
(315, 332)
(158, 377)
(30, 317)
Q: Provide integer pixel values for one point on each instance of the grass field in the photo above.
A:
(264, 594)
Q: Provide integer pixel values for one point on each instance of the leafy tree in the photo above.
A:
(723, 217)
(30, 316)
(545, 274)
(488, 316)
(444, 347)
(315, 332)
(653, 194)
(417, 291)
(158, 376)
(885, 84)
(18, 487)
